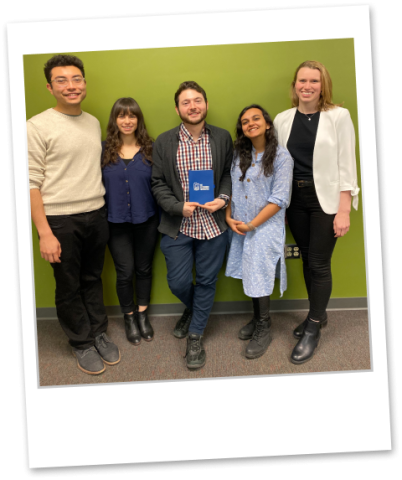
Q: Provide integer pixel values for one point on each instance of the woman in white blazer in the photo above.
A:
(321, 139)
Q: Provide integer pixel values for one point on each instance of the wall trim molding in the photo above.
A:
(245, 306)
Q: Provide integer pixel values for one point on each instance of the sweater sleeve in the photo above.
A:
(163, 194)
(225, 187)
(36, 157)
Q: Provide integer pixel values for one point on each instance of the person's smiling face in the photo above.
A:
(71, 94)
(192, 107)
(308, 87)
(127, 123)
(253, 124)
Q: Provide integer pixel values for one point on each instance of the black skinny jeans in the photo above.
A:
(313, 232)
(132, 247)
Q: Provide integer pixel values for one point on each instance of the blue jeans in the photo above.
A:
(181, 255)
(79, 291)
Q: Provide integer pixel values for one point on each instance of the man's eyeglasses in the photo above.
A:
(62, 81)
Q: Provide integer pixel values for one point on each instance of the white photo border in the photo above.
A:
(200, 419)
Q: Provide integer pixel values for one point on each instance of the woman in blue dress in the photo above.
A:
(261, 185)
(132, 213)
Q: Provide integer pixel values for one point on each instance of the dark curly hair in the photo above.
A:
(243, 145)
(113, 141)
(62, 61)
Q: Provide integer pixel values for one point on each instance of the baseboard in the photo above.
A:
(353, 303)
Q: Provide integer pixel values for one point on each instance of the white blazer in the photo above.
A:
(334, 160)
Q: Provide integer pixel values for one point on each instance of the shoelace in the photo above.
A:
(85, 352)
(186, 319)
(195, 346)
(102, 341)
(257, 332)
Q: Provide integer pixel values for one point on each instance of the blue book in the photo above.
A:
(201, 186)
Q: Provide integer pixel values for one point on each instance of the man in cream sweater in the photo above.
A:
(67, 206)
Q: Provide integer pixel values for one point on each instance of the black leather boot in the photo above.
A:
(133, 333)
(298, 331)
(246, 332)
(305, 347)
(262, 335)
(147, 332)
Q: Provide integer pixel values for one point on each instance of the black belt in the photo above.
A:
(304, 183)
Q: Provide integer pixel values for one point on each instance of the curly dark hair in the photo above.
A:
(62, 61)
(113, 141)
(243, 145)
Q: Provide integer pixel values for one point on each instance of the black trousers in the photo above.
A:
(132, 247)
(314, 234)
(79, 292)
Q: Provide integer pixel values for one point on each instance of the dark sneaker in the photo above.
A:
(182, 326)
(246, 332)
(109, 352)
(260, 341)
(89, 361)
(195, 353)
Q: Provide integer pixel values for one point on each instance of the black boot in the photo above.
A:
(133, 333)
(246, 332)
(147, 332)
(305, 347)
(262, 335)
(298, 331)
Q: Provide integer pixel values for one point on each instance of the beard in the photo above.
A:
(189, 121)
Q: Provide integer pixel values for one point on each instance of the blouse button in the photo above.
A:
(248, 179)
(126, 181)
(126, 168)
(253, 164)
(246, 196)
(128, 204)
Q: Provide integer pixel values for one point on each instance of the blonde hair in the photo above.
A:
(325, 101)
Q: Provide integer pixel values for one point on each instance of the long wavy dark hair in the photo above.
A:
(243, 146)
(113, 141)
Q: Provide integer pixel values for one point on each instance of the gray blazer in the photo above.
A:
(166, 185)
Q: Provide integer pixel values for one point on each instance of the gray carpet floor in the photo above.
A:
(344, 346)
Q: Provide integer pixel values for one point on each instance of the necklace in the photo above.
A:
(309, 115)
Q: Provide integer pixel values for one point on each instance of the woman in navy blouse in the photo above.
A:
(132, 213)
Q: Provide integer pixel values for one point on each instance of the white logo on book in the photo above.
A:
(199, 186)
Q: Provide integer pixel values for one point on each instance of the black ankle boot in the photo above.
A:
(246, 332)
(260, 340)
(262, 335)
(298, 331)
(305, 347)
(133, 333)
(147, 332)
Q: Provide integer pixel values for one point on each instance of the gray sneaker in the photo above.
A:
(109, 352)
(195, 353)
(89, 361)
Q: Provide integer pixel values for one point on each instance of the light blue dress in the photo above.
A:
(254, 257)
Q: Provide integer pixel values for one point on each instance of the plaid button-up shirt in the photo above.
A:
(195, 156)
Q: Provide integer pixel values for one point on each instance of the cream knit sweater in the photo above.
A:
(64, 155)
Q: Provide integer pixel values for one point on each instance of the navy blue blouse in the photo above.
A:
(128, 190)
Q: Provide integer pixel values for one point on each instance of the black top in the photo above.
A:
(301, 144)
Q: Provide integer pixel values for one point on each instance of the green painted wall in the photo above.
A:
(233, 77)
